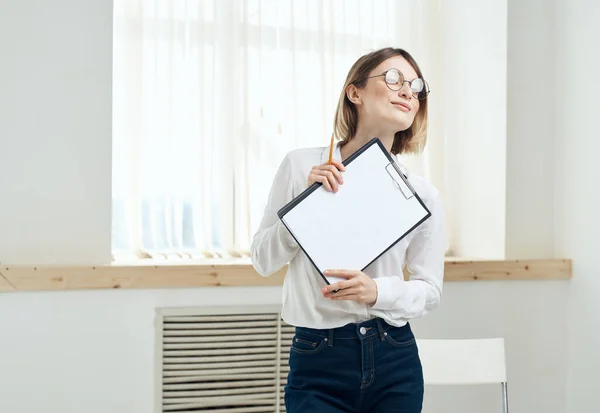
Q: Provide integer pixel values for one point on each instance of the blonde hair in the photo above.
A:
(411, 140)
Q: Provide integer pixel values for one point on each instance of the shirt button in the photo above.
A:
(363, 331)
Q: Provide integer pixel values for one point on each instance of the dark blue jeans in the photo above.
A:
(370, 367)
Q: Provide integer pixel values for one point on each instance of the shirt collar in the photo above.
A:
(337, 154)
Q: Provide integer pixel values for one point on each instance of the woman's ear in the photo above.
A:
(353, 94)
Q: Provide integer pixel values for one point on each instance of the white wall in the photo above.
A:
(577, 191)
(55, 131)
(67, 352)
(531, 125)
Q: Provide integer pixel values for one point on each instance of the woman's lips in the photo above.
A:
(402, 106)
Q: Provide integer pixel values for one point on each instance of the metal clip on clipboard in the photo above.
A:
(400, 180)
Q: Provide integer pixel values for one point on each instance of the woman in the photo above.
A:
(353, 350)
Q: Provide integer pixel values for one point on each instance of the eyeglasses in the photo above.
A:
(394, 79)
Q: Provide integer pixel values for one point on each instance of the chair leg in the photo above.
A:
(505, 397)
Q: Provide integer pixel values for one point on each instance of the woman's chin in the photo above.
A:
(402, 126)
(400, 123)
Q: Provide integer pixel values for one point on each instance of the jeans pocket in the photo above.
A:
(307, 344)
(400, 337)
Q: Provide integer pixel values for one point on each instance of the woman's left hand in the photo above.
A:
(357, 286)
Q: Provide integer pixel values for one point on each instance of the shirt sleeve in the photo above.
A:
(273, 246)
(425, 263)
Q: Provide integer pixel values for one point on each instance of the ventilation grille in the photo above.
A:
(222, 360)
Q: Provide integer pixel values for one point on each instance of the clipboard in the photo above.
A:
(374, 209)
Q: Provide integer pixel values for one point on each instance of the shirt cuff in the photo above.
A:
(388, 292)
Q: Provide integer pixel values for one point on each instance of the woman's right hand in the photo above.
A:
(329, 175)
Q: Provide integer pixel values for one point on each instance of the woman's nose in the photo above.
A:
(405, 91)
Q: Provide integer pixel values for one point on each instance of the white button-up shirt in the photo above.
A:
(421, 251)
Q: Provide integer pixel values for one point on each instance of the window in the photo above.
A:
(210, 95)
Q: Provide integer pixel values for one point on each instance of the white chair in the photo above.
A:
(464, 362)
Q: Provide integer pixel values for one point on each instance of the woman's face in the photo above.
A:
(377, 104)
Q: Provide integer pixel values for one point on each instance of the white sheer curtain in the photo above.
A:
(209, 96)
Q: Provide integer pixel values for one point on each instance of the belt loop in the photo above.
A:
(330, 338)
(380, 329)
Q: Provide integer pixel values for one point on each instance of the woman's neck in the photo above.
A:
(362, 137)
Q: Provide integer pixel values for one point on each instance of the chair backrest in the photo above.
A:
(462, 362)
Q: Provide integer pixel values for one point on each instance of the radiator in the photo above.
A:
(221, 359)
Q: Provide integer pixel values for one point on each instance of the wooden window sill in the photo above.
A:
(168, 274)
